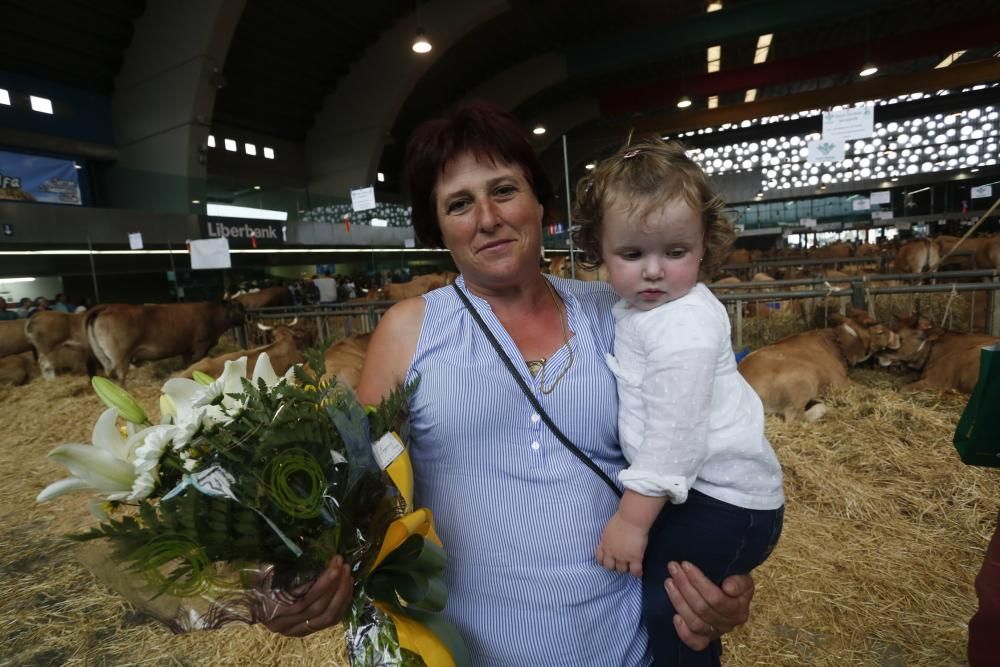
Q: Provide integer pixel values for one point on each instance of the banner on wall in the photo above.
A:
(35, 178)
(244, 232)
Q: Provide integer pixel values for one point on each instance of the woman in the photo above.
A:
(518, 513)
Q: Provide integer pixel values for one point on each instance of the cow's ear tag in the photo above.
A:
(849, 329)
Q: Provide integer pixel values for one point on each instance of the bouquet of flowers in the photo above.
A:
(246, 489)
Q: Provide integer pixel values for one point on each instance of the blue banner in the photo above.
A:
(39, 179)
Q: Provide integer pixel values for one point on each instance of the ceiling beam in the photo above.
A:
(910, 46)
(980, 71)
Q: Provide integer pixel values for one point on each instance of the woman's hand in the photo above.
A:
(323, 603)
(705, 611)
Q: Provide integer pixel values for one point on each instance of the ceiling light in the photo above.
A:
(868, 69)
(713, 7)
(420, 43)
(380, 176)
(588, 166)
(256, 187)
(195, 201)
(684, 102)
(211, 141)
(250, 149)
(268, 153)
(539, 130)
(230, 145)
(40, 104)
(949, 59)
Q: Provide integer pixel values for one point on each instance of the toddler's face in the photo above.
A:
(655, 258)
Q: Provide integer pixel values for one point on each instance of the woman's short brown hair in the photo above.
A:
(648, 174)
(481, 129)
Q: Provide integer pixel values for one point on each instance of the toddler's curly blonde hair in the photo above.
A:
(649, 174)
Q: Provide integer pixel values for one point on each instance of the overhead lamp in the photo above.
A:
(195, 201)
(868, 69)
(539, 130)
(588, 166)
(684, 102)
(256, 187)
(420, 42)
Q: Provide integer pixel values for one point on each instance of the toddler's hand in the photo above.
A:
(622, 546)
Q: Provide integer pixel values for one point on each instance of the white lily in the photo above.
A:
(104, 466)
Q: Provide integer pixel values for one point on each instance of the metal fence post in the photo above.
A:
(858, 295)
(739, 325)
(994, 310)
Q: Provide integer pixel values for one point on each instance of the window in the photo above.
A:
(4, 97)
(268, 153)
(250, 149)
(41, 104)
(211, 141)
(230, 145)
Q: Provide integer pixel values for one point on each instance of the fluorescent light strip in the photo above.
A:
(950, 59)
(763, 47)
(714, 56)
(237, 251)
(229, 211)
(713, 7)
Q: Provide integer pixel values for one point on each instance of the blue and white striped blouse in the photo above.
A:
(519, 515)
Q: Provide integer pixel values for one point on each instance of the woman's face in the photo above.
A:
(490, 221)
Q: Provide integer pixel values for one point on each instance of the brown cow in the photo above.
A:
(13, 340)
(60, 340)
(283, 352)
(415, 287)
(266, 298)
(988, 253)
(120, 333)
(836, 250)
(560, 266)
(917, 256)
(947, 360)
(15, 369)
(791, 375)
(345, 359)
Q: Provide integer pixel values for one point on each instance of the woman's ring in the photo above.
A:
(307, 624)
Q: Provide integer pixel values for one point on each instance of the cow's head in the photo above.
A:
(860, 335)
(235, 313)
(916, 338)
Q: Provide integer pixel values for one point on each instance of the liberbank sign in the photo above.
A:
(243, 232)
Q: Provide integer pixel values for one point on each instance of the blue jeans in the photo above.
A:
(719, 538)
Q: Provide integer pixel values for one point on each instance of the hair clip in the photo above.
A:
(630, 154)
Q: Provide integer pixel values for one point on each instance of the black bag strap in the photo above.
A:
(531, 396)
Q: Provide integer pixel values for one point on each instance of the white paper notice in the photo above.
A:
(902, 225)
(847, 124)
(807, 222)
(210, 254)
(409, 243)
(826, 151)
(881, 215)
(363, 199)
(378, 222)
(982, 191)
(861, 204)
(880, 197)
(135, 241)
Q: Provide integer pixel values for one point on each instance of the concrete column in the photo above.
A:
(163, 101)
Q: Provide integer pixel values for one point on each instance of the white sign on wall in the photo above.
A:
(880, 197)
(982, 191)
(847, 124)
(378, 222)
(862, 204)
(807, 222)
(823, 150)
(135, 241)
(363, 199)
(210, 254)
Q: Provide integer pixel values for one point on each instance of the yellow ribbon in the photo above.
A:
(413, 635)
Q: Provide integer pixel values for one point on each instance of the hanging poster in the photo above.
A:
(861, 204)
(807, 222)
(40, 179)
(363, 199)
(982, 191)
(847, 124)
(880, 197)
(210, 254)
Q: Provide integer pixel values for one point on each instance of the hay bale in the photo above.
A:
(885, 530)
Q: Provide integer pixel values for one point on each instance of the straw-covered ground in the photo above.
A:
(885, 530)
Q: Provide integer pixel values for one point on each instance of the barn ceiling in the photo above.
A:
(628, 60)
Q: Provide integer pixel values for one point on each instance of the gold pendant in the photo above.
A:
(535, 365)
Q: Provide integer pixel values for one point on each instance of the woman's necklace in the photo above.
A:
(540, 365)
